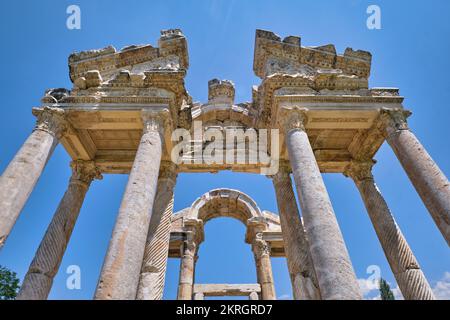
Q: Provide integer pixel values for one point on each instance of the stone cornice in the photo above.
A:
(172, 43)
(270, 46)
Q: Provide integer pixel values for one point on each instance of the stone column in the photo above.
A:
(153, 272)
(20, 177)
(301, 271)
(334, 271)
(189, 256)
(120, 274)
(187, 268)
(406, 269)
(430, 182)
(261, 251)
(39, 278)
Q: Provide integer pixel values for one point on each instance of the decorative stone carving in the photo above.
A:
(392, 120)
(51, 120)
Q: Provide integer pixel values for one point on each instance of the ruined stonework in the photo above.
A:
(119, 117)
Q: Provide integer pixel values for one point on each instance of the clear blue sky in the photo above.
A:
(410, 52)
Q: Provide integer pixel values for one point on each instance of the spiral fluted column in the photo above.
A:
(151, 283)
(39, 278)
(406, 269)
(301, 271)
(429, 181)
(20, 177)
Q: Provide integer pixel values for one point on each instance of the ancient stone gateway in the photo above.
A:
(313, 112)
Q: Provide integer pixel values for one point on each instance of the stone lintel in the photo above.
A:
(220, 290)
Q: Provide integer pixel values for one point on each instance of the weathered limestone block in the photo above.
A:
(335, 274)
(301, 270)
(406, 269)
(430, 182)
(121, 269)
(39, 278)
(151, 283)
(20, 177)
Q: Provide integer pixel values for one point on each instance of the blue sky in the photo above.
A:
(410, 52)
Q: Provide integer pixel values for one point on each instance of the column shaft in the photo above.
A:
(39, 278)
(335, 274)
(429, 181)
(264, 274)
(301, 271)
(153, 272)
(21, 175)
(187, 270)
(120, 274)
(406, 269)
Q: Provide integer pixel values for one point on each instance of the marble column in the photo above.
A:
(187, 267)
(334, 271)
(153, 272)
(121, 270)
(429, 181)
(261, 251)
(20, 177)
(301, 271)
(406, 269)
(39, 278)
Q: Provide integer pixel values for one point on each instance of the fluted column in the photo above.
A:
(301, 271)
(39, 278)
(153, 272)
(406, 269)
(120, 274)
(261, 251)
(20, 177)
(429, 181)
(334, 271)
(194, 235)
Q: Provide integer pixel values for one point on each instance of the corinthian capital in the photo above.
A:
(294, 118)
(51, 120)
(392, 120)
(84, 171)
(360, 170)
(168, 171)
(260, 246)
(155, 119)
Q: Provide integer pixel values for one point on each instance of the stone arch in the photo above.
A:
(225, 203)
